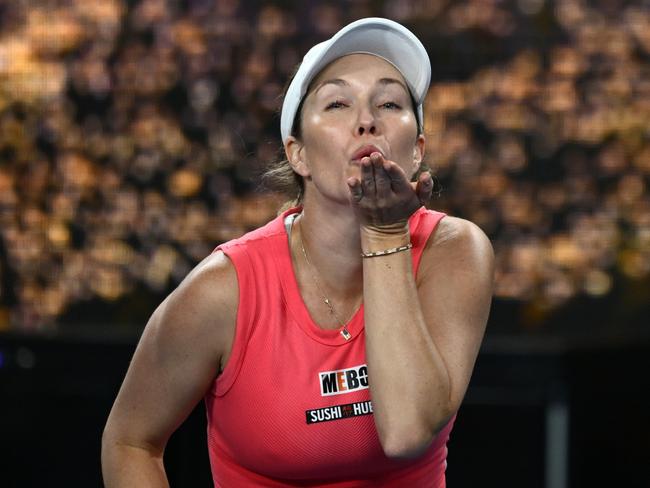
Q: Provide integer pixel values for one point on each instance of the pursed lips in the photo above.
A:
(364, 151)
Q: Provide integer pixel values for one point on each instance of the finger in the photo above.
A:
(398, 180)
(356, 191)
(368, 178)
(382, 179)
(425, 187)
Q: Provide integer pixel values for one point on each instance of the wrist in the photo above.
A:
(375, 238)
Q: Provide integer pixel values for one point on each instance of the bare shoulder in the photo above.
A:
(453, 231)
(211, 284)
(181, 352)
(457, 243)
(202, 310)
(455, 284)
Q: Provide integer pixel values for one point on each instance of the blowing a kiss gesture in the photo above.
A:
(383, 196)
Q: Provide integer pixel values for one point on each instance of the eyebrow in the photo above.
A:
(381, 81)
(390, 81)
(333, 81)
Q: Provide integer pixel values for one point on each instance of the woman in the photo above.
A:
(357, 293)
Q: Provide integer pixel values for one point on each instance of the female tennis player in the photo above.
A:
(332, 346)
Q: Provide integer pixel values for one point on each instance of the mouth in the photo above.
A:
(364, 151)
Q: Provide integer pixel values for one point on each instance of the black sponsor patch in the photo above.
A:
(338, 412)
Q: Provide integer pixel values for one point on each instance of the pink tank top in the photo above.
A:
(292, 406)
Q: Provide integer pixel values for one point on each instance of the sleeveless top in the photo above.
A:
(292, 406)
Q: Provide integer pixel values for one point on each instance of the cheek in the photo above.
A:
(407, 119)
(313, 129)
(408, 132)
(408, 123)
(313, 119)
(320, 136)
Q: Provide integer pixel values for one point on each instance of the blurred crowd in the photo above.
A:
(133, 135)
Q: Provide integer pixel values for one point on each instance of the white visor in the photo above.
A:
(381, 37)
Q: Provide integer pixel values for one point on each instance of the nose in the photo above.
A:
(366, 123)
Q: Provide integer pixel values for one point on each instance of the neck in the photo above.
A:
(331, 238)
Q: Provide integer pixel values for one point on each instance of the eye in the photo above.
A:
(390, 106)
(335, 104)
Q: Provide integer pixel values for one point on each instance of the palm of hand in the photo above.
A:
(383, 196)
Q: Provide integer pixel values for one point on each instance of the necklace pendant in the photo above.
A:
(346, 335)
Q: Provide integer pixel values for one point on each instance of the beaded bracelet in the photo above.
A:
(392, 250)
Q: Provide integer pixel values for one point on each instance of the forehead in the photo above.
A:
(358, 66)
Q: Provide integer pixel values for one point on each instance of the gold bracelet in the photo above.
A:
(392, 250)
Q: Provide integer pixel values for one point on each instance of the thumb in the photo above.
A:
(356, 191)
(424, 187)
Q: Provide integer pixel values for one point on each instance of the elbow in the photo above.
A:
(407, 445)
(109, 446)
(414, 441)
(107, 438)
(110, 435)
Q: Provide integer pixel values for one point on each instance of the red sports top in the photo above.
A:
(292, 406)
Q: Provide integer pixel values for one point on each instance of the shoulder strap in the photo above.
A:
(422, 224)
(245, 315)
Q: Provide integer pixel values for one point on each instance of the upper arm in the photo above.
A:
(455, 282)
(181, 351)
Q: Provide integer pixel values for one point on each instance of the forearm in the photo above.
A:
(127, 466)
(409, 381)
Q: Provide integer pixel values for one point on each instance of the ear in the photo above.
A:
(294, 149)
(418, 151)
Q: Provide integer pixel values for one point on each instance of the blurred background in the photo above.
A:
(132, 138)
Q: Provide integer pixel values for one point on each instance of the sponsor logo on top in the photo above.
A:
(343, 380)
(337, 412)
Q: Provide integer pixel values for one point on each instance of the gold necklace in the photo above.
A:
(344, 328)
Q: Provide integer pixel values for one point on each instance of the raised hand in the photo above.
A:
(383, 197)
